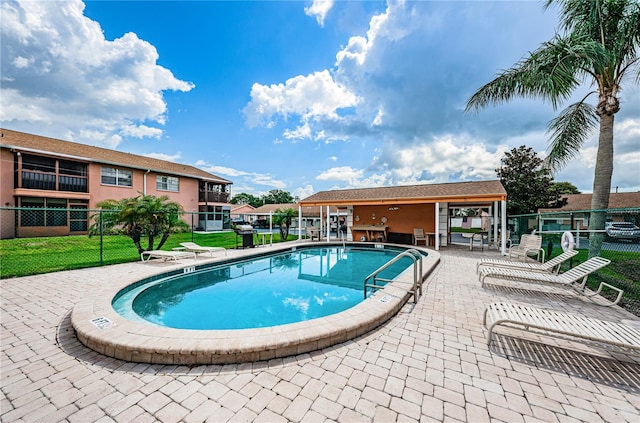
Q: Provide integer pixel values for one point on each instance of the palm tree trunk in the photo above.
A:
(601, 184)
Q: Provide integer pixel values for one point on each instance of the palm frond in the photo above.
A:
(568, 132)
(552, 72)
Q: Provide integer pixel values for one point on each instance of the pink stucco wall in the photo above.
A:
(6, 193)
(187, 196)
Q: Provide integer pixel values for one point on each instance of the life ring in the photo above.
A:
(567, 241)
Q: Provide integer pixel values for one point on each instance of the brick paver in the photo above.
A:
(429, 363)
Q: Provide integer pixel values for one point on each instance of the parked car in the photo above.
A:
(622, 230)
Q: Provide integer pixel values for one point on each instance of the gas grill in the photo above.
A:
(244, 236)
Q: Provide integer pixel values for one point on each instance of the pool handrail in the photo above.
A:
(412, 253)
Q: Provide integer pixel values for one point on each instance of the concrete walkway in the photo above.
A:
(429, 363)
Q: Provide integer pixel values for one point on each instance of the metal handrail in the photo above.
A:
(414, 255)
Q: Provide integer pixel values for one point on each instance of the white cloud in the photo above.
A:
(301, 132)
(340, 174)
(313, 96)
(348, 177)
(303, 192)
(162, 156)
(243, 181)
(141, 131)
(319, 10)
(62, 77)
(443, 159)
(220, 170)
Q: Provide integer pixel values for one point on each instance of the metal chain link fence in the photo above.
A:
(38, 240)
(618, 242)
(48, 239)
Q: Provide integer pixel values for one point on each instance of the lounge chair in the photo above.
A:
(167, 255)
(198, 249)
(553, 323)
(569, 278)
(530, 245)
(418, 236)
(551, 266)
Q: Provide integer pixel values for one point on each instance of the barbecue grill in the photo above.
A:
(244, 236)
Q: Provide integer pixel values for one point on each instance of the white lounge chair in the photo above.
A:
(167, 255)
(551, 266)
(553, 323)
(569, 278)
(198, 249)
(530, 245)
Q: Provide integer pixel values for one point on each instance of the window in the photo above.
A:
(38, 163)
(43, 213)
(32, 217)
(120, 177)
(167, 183)
(38, 172)
(55, 217)
(78, 215)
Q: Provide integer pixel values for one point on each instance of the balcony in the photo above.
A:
(213, 197)
(38, 180)
(47, 181)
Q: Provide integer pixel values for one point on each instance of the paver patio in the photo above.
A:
(429, 363)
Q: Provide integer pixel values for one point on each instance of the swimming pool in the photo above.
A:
(271, 290)
(98, 326)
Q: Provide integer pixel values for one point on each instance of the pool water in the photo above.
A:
(271, 290)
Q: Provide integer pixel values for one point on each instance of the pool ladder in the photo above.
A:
(416, 288)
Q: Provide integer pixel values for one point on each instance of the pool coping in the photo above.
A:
(99, 327)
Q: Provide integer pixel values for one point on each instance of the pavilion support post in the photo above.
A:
(437, 236)
(503, 217)
(328, 224)
(496, 214)
(299, 223)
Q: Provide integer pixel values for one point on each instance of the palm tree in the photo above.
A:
(137, 216)
(599, 47)
(284, 217)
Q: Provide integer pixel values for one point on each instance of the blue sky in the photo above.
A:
(295, 95)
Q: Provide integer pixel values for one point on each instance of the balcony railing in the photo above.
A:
(213, 197)
(72, 183)
(47, 181)
(37, 180)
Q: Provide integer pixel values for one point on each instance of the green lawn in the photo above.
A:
(30, 256)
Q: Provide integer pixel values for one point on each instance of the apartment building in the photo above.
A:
(62, 181)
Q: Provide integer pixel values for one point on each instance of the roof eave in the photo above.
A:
(112, 163)
(408, 200)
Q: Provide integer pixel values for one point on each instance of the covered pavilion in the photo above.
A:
(391, 213)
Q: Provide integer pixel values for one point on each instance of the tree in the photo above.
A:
(564, 188)
(599, 47)
(142, 215)
(277, 196)
(284, 217)
(527, 182)
(244, 198)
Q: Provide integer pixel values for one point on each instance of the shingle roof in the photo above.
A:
(453, 191)
(35, 143)
(306, 210)
(620, 200)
